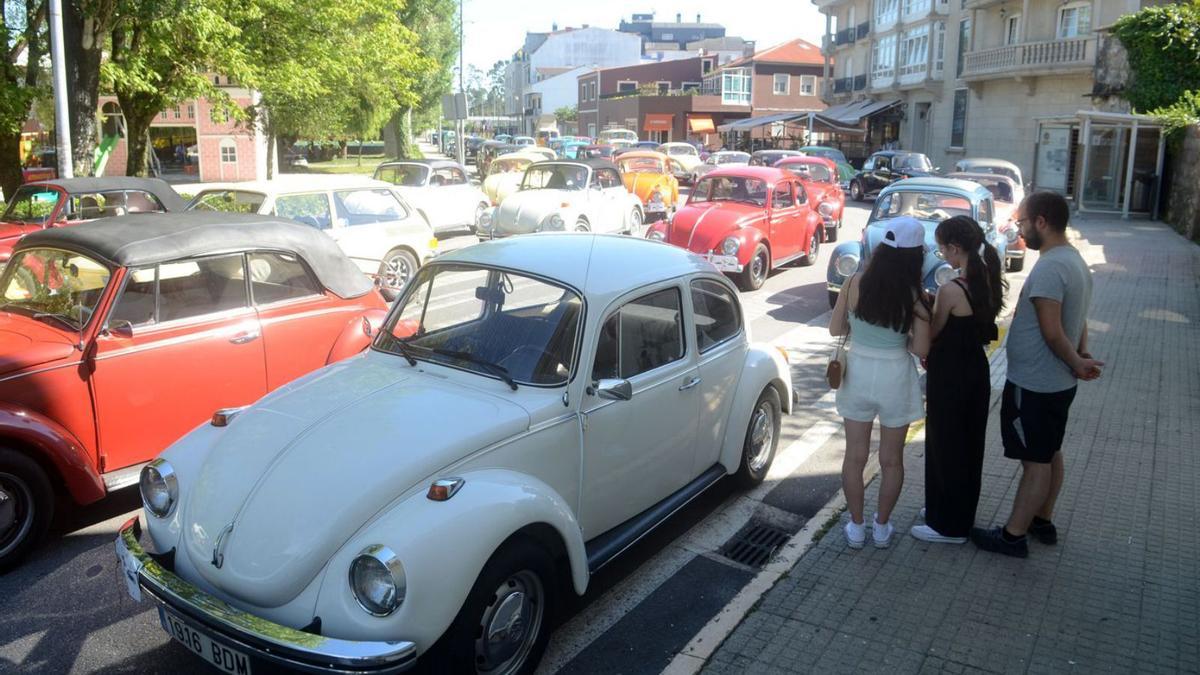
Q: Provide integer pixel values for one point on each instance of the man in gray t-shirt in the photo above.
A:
(1047, 354)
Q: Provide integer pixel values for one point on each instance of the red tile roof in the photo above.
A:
(798, 52)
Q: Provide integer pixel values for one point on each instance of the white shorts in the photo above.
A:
(880, 383)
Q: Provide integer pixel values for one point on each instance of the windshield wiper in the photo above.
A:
(406, 350)
(494, 368)
(61, 319)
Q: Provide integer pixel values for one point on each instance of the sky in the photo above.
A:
(494, 29)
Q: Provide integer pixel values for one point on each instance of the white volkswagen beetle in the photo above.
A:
(530, 408)
(439, 190)
(585, 195)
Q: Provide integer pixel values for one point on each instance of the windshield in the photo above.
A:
(555, 177)
(508, 165)
(681, 150)
(408, 175)
(1001, 189)
(913, 160)
(933, 206)
(618, 135)
(817, 172)
(732, 158)
(53, 285)
(31, 204)
(641, 165)
(477, 318)
(730, 189)
(228, 201)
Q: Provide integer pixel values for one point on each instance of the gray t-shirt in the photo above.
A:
(1060, 274)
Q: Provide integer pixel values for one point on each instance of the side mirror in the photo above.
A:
(612, 390)
(120, 328)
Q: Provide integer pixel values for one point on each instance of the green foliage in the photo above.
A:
(1180, 115)
(1163, 43)
(567, 113)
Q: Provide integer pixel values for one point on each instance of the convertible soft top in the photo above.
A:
(149, 238)
(158, 187)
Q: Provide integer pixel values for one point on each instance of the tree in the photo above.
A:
(86, 27)
(22, 28)
(435, 23)
(1163, 44)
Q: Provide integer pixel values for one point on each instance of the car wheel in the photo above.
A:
(832, 299)
(755, 272)
(479, 211)
(26, 506)
(581, 225)
(814, 249)
(504, 624)
(397, 268)
(635, 223)
(831, 233)
(762, 437)
(856, 191)
(1016, 264)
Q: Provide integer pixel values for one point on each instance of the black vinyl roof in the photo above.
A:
(156, 186)
(149, 238)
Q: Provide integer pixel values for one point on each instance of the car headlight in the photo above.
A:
(656, 235)
(377, 580)
(826, 209)
(846, 264)
(1010, 231)
(730, 245)
(944, 275)
(485, 219)
(159, 487)
(553, 222)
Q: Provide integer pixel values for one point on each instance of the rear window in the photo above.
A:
(228, 201)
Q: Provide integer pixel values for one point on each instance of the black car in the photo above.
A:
(770, 157)
(886, 167)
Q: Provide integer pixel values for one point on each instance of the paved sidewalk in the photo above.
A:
(1120, 591)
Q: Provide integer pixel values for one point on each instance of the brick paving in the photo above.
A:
(1121, 590)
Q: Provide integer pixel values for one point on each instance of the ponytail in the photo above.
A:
(985, 271)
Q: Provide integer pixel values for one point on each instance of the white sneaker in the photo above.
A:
(856, 534)
(922, 513)
(882, 533)
(927, 533)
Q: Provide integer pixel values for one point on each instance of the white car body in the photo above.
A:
(443, 194)
(624, 136)
(684, 153)
(720, 158)
(500, 182)
(587, 207)
(271, 510)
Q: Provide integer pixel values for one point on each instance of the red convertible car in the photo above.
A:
(746, 220)
(119, 336)
(70, 201)
(820, 178)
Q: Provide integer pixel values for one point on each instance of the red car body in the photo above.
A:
(769, 230)
(90, 406)
(820, 178)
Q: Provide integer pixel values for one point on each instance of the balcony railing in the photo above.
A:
(1031, 58)
(860, 82)
(844, 37)
(863, 30)
(843, 85)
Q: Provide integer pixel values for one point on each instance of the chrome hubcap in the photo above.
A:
(762, 433)
(510, 625)
(396, 272)
(16, 516)
(758, 266)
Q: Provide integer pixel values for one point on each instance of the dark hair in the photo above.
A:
(1049, 205)
(890, 286)
(985, 278)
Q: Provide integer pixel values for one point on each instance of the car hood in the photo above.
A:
(501, 185)
(701, 227)
(522, 212)
(296, 475)
(641, 184)
(25, 343)
(689, 162)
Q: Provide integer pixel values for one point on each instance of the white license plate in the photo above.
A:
(725, 263)
(130, 566)
(224, 658)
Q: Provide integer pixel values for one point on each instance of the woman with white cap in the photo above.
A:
(885, 312)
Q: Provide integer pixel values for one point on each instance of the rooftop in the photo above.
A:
(792, 52)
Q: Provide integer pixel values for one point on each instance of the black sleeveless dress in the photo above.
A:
(957, 394)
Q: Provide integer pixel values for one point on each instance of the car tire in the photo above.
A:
(519, 577)
(814, 249)
(635, 223)
(581, 225)
(1016, 264)
(26, 506)
(831, 233)
(396, 269)
(832, 299)
(762, 439)
(856, 191)
(479, 211)
(755, 274)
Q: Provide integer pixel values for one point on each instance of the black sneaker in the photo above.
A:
(993, 540)
(1044, 532)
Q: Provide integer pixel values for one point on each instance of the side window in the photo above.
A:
(717, 315)
(203, 286)
(136, 304)
(363, 207)
(279, 276)
(782, 197)
(228, 201)
(641, 336)
(310, 209)
(985, 212)
(869, 165)
(90, 206)
(801, 195)
(448, 176)
(609, 178)
(882, 163)
(137, 201)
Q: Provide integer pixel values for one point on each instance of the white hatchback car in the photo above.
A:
(530, 408)
(585, 195)
(370, 222)
(439, 190)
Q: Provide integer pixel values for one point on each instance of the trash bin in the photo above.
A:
(1143, 191)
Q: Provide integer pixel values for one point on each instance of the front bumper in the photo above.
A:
(725, 263)
(264, 642)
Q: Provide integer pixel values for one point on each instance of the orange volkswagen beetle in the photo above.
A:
(647, 174)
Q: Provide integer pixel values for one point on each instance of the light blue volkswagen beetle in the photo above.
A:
(929, 200)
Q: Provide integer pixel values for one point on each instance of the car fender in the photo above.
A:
(51, 441)
(764, 366)
(491, 506)
(750, 237)
(832, 276)
(356, 335)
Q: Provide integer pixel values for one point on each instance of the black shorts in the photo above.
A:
(1032, 424)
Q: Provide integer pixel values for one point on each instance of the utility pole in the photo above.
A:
(461, 144)
(58, 64)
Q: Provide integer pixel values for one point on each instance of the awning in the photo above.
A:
(851, 114)
(701, 125)
(658, 122)
(754, 122)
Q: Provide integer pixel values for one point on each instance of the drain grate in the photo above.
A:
(755, 544)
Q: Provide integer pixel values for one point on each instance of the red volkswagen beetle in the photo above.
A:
(120, 335)
(746, 220)
(820, 178)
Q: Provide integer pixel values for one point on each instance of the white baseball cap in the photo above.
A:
(904, 232)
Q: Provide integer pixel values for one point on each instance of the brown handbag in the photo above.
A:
(835, 372)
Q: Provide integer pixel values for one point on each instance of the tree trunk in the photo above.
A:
(404, 135)
(84, 46)
(343, 149)
(137, 141)
(10, 163)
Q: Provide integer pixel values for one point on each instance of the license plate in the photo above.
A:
(130, 566)
(224, 658)
(725, 263)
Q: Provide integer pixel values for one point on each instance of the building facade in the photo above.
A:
(664, 33)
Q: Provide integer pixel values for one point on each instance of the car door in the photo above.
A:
(600, 207)
(717, 320)
(785, 227)
(881, 176)
(619, 202)
(639, 451)
(370, 223)
(464, 195)
(182, 342)
(445, 206)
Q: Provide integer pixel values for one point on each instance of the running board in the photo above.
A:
(123, 478)
(609, 545)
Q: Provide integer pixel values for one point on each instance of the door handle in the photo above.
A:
(243, 338)
(689, 384)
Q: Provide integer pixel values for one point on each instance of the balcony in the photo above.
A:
(843, 85)
(981, 4)
(844, 37)
(1053, 57)
(863, 30)
(860, 82)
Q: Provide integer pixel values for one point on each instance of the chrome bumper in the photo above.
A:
(261, 640)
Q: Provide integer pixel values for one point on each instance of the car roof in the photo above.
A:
(769, 174)
(731, 152)
(518, 155)
(592, 162)
(287, 183)
(156, 186)
(601, 266)
(150, 238)
(805, 159)
(934, 183)
(967, 175)
(988, 161)
(643, 154)
(431, 163)
(768, 151)
(893, 153)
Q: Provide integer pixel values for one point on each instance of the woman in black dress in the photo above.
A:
(958, 388)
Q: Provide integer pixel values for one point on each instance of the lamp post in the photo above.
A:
(461, 125)
(58, 64)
